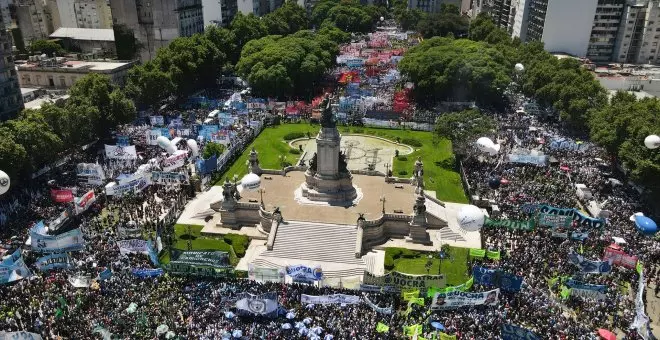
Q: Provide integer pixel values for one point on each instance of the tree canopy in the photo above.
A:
(288, 19)
(48, 47)
(448, 21)
(463, 127)
(348, 16)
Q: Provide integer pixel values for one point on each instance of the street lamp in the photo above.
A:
(429, 264)
(382, 199)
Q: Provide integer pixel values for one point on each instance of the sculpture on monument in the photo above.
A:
(327, 179)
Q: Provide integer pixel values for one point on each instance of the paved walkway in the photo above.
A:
(653, 309)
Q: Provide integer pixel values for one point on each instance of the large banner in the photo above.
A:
(217, 259)
(54, 261)
(510, 224)
(304, 273)
(19, 336)
(154, 133)
(539, 160)
(497, 278)
(90, 173)
(588, 294)
(135, 185)
(329, 299)
(147, 273)
(42, 243)
(120, 152)
(175, 161)
(13, 268)
(398, 281)
(129, 230)
(209, 132)
(620, 258)
(574, 284)
(587, 266)
(581, 219)
(81, 204)
(61, 195)
(382, 310)
(168, 178)
(511, 332)
(134, 246)
(265, 274)
(462, 299)
(157, 120)
(80, 281)
(551, 220)
(263, 305)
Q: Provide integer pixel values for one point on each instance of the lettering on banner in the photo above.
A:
(403, 281)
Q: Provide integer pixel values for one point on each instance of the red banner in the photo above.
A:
(61, 195)
(620, 258)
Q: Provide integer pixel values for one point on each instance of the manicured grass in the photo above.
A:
(446, 183)
(454, 268)
(199, 242)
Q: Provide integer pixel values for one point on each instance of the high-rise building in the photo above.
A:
(33, 20)
(639, 34)
(431, 6)
(258, 7)
(11, 101)
(80, 13)
(212, 12)
(155, 23)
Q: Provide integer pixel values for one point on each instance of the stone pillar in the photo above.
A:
(418, 233)
(418, 175)
(253, 162)
(327, 152)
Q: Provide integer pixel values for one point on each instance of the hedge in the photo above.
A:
(294, 151)
(294, 135)
(238, 242)
(412, 142)
(389, 262)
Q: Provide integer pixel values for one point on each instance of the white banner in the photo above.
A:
(265, 274)
(19, 336)
(90, 173)
(168, 178)
(120, 152)
(80, 281)
(458, 299)
(330, 299)
(152, 136)
(135, 185)
(83, 203)
(134, 246)
(175, 161)
(130, 230)
(588, 294)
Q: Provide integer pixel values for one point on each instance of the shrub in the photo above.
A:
(294, 151)
(412, 142)
(447, 163)
(294, 135)
(402, 158)
(238, 242)
(409, 254)
(241, 274)
(394, 252)
(403, 173)
(358, 130)
(389, 262)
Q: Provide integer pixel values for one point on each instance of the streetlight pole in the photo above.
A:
(382, 199)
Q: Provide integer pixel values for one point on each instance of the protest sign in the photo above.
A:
(458, 299)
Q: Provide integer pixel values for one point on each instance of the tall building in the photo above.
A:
(258, 7)
(431, 6)
(228, 8)
(80, 13)
(11, 100)
(605, 29)
(212, 13)
(33, 20)
(639, 33)
(156, 23)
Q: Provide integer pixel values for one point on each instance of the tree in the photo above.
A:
(13, 157)
(73, 125)
(224, 40)
(126, 45)
(348, 16)
(213, 148)
(48, 47)
(409, 19)
(39, 141)
(148, 85)
(448, 21)
(457, 70)
(288, 19)
(482, 28)
(246, 28)
(463, 128)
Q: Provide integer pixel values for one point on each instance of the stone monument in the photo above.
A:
(327, 178)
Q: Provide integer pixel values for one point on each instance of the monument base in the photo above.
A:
(338, 190)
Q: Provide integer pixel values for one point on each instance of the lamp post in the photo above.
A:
(387, 170)
(261, 196)
(429, 264)
(382, 199)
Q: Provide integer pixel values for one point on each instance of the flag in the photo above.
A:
(468, 283)
(419, 301)
(445, 336)
(63, 303)
(552, 281)
(639, 267)
(479, 253)
(565, 292)
(409, 295)
(493, 255)
(59, 313)
(581, 250)
(382, 328)
(412, 330)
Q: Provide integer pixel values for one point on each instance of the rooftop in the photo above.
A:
(96, 34)
(61, 63)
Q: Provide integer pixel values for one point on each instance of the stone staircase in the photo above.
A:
(262, 262)
(448, 234)
(315, 242)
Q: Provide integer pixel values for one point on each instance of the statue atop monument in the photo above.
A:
(327, 118)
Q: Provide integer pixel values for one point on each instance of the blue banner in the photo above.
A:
(586, 286)
(41, 242)
(106, 274)
(497, 278)
(511, 332)
(304, 273)
(13, 268)
(587, 266)
(123, 141)
(207, 166)
(147, 273)
(581, 219)
(153, 254)
(54, 261)
(209, 132)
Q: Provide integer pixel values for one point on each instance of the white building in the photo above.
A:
(639, 34)
(58, 73)
(212, 12)
(431, 6)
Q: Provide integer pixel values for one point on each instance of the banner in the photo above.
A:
(493, 255)
(329, 299)
(70, 241)
(550, 220)
(120, 152)
(539, 160)
(13, 268)
(382, 328)
(587, 294)
(80, 281)
(19, 336)
(586, 266)
(304, 273)
(168, 178)
(462, 299)
(386, 311)
(218, 259)
(585, 286)
(90, 173)
(175, 161)
(106, 274)
(209, 132)
(264, 304)
(497, 278)
(157, 120)
(620, 258)
(134, 246)
(123, 141)
(81, 204)
(61, 195)
(129, 230)
(154, 133)
(135, 185)
(413, 330)
(461, 288)
(575, 215)
(398, 281)
(54, 261)
(144, 273)
(265, 274)
(478, 253)
(511, 332)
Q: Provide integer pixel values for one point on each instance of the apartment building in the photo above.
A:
(33, 20)
(639, 33)
(80, 13)
(11, 100)
(431, 6)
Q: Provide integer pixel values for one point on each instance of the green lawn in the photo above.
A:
(454, 268)
(199, 242)
(446, 183)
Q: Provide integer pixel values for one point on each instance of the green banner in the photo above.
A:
(412, 330)
(479, 253)
(382, 328)
(493, 255)
(461, 288)
(510, 224)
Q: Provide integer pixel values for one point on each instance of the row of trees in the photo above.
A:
(279, 65)
(448, 21)
(38, 137)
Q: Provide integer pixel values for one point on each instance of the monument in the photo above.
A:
(327, 178)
